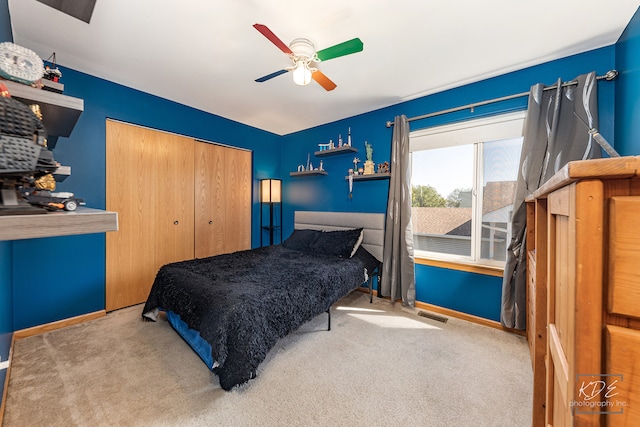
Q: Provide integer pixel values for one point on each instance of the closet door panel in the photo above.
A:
(222, 200)
(173, 209)
(130, 254)
(237, 194)
(206, 181)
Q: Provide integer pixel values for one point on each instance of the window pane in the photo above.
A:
(500, 171)
(442, 180)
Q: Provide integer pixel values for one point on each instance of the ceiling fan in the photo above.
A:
(303, 56)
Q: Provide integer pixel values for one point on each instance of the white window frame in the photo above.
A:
(503, 126)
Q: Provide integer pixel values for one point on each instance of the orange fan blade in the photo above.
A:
(323, 80)
(273, 38)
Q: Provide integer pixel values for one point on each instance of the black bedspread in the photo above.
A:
(242, 303)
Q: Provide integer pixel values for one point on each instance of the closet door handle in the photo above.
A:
(210, 222)
(175, 222)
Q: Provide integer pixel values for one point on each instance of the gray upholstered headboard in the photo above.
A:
(373, 224)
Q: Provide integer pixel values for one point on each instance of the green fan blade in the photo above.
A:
(345, 48)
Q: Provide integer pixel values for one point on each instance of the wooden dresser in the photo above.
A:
(583, 295)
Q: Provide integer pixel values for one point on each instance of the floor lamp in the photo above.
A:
(270, 193)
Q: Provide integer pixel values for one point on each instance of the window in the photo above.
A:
(463, 185)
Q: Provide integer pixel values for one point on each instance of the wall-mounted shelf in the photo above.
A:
(59, 112)
(59, 116)
(59, 223)
(374, 176)
(335, 151)
(308, 173)
(62, 173)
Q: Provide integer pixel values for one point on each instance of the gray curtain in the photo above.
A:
(398, 275)
(553, 136)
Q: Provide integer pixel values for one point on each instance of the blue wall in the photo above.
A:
(628, 89)
(462, 291)
(5, 22)
(6, 290)
(471, 293)
(61, 277)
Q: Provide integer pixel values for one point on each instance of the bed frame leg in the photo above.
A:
(378, 272)
(329, 319)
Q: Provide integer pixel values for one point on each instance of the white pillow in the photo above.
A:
(357, 245)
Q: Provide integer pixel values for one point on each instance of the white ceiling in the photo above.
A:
(206, 54)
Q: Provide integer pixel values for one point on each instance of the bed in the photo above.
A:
(233, 308)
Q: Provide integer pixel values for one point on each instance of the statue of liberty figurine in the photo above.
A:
(368, 164)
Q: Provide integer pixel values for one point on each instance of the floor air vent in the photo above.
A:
(433, 316)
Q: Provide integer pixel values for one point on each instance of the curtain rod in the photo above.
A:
(609, 75)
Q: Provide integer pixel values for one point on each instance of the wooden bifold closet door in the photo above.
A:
(222, 200)
(176, 199)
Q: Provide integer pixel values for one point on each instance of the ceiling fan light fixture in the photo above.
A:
(302, 73)
(303, 56)
(302, 48)
(304, 52)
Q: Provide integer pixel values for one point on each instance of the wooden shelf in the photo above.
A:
(335, 151)
(308, 173)
(59, 223)
(59, 116)
(370, 177)
(62, 173)
(59, 112)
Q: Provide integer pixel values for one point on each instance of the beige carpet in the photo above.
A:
(380, 365)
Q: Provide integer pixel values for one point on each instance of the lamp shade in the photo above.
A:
(301, 73)
(271, 191)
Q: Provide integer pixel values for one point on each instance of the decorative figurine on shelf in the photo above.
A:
(54, 74)
(355, 165)
(340, 141)
(369, 167)
(383, 167)
(349, 138)
(20, 64)
(24, 156)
